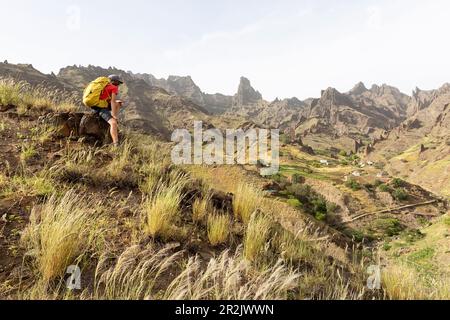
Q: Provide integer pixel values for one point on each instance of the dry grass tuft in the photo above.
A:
(161, 210)
(256, 236)
(26, 97)
(134, 275)
(218, 229)
(246, 201)
(231, 278)
(10, 91)
(401, 282)
(201, 208)
(60, 232)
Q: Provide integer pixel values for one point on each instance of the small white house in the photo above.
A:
(370, 163)
(324, 162)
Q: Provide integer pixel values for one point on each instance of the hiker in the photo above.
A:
(101, 96)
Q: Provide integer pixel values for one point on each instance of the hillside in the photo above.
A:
(419, 149)
(130, 214)
(363, 181)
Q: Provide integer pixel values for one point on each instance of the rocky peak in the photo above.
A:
(331, 95)
(359, 88)
(246, 94)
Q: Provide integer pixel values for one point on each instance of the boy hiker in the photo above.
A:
(101, 96)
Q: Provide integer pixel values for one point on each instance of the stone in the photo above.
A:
(93, 126)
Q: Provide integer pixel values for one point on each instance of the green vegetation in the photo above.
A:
(384, 188)
(301, 195)
(343, 153)
(353, 184)
(294, 203)
(388, 226)
(412, 235)
(398, 183)
(400, 195)
(447, 221)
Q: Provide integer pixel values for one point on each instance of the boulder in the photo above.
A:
(92, 125)
(78, 125)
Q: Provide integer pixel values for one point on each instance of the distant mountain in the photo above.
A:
(26, 72)
(185, 87)
(419, 149)
(360, 114)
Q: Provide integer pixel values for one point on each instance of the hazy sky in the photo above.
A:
(286, 48)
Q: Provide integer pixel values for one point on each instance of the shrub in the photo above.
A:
(298, 179)
(320, 206)
(377, 183)
(398, 183)
(390, 227)
(294, 203)
(400, 195)
(412, 236)
(353, 184)
(384, 188)
(218, 229)
(301, 192)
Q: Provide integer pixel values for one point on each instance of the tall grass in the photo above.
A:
(10, 91)
(161, 210)
(60, 232)
(218, 229)
(246, 201)
(201, 208)
(134, 274)
(231, 278)
(401, 282)
(256, 236)
(24, 97)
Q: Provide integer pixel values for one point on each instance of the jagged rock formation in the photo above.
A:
(186, 87)
(246, 95)
(418, 149)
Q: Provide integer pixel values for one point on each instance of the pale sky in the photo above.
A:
(286, 48)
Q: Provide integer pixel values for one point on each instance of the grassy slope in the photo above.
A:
(128, 193)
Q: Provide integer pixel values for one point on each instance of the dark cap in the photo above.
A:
(115, 78)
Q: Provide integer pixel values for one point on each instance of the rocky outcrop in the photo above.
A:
(246, 94)
(76, 125)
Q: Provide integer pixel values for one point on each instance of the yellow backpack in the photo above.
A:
(91, 95)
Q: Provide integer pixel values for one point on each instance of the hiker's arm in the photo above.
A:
(115, 106)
